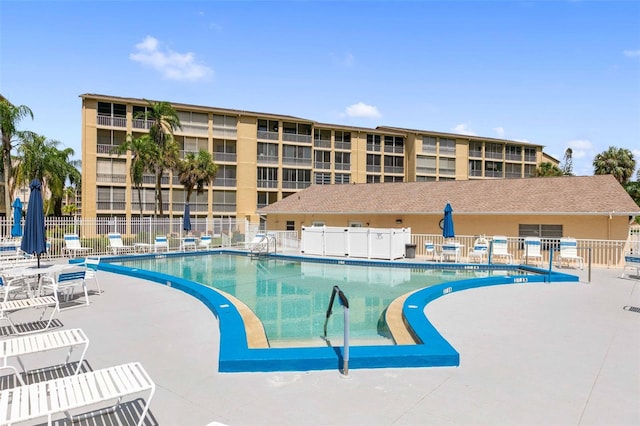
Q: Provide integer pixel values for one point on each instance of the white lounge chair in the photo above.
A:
(65, 284)
(500, 250)
(532, 250)
(161, 243)
(17, 347)
(72, 245)
(430, 249)
(450, 252)
(91, 264)
(9, 307)
(259, 240)
(480, 250)
(116, 245)
(205, 242)
(86, 390)
(631, 262)
(569, 253)
(188, 243)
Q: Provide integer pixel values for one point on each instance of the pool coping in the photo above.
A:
(236, 356)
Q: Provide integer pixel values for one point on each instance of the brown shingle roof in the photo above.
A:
(553, 195)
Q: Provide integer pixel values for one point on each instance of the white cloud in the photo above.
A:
(362, 110)
(345, 60)
(632, 53)
(172, 65)
(499, 131)
(580, 148)
(463, 129)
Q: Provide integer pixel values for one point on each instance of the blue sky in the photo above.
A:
(556, 73)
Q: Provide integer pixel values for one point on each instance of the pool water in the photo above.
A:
(291, 297)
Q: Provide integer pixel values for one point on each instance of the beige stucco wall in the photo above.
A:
(583, 227)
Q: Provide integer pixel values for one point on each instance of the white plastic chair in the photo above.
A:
(91, 273)
(72, 245)
(450, 251)
(430, 249)
(116, 244)
(569, 252)
(532, 250)
(161, 243)
(480, 250)
(205, 242)
(188, 243)
(500, 249)
(65, 284)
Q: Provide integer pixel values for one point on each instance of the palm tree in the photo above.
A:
(40, 158)
(546, 169)
(164, 121)
(143, 151)
(10, 116)
(195, 171)
(618, 162)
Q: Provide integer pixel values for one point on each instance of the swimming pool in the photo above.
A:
(290, 295)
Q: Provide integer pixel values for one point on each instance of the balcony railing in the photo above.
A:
(322, 143)
(106, 149)
(218, 207)
(141, 123)
(394, 149)
(342, 145)
(490, 154)
(394, 169)
(229, 157)
(265, 183)
(343, 166)
(226, 182)
(294, 161)
(322, 165)
(447, 150)
(372, 168)
(193, 129)
(267, 159)
(493, 173)
(530, 158)
(514, 157)
(292, 137)
(295, 185)
(110, 205)
(270, 136)
(110, 178)
(475, 153)
(426, 170)
(109, 121)
(225, 133)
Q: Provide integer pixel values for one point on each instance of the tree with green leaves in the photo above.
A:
(546, 169)
(40, 158)
(567, 163)
(618, 162)
(144, 151)
(195, 171)
(10, 116)
(164, 121)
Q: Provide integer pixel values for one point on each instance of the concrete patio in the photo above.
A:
(561, 354)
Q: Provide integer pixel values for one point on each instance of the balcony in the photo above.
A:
(109, 121)
(295, 185)
(228, 157)
(475, 153)
(295, 161)
(394, 149)
(267, 159)
(225, 182)
(497, 155)
(448, 150)
(292, 137)
(106, 149)
(373, 147)
(270, 136)
(225, 133)
(110, 178)
(140, 123)
(530, 158)
(193, 129)
(343, 166)
(513, 157)
(322, 143)
(393, 169)
(493, 173)
(266, 183)
(374, 169)
(342, 145)
(110, 205)
(322, 165)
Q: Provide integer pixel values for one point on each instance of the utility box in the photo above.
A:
(410, 251)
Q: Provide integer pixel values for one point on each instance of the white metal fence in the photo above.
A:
(229, 232)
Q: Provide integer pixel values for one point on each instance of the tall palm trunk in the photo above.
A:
(6, 162)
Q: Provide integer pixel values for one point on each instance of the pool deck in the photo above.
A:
(552, 354)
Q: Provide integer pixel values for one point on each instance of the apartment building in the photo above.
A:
(263, 158)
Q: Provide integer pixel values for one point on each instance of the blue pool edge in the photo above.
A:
(236, 356)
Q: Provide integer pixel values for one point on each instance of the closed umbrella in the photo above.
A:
(186, 220)
(34, 240)
(16, 229)
(447, 225)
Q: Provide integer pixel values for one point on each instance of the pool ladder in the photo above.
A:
(261, 248)
(345, 304)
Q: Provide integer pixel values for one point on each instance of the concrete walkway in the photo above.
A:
(552, 354)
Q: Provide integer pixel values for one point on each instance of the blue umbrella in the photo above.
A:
(16, 229)
(447, 226)
(186, 220)
(34, 240)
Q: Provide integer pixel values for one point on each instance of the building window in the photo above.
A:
(447, 166)
(225, 126)
(429, 144)
(549, 234)
(296, 178)
(342, 140)
(493, 150)
(373, 162)
(296, 132)
(267, 152)
(394, 144)
(475, 149)
(493, 169)
(342, 160)
(512, 170)
(322, 178)
(426, 165)
(513, 153)
(447, 146)
(224, 201)
(475, 167)
(530, 154)
(291, 225)
(267, 177)
(393, 178)
(225, 176)
(373, 178)
(114, 115)
(322, 159)
(296, 155)
(111, 171)
(226, 150)
(268, 129)
(393, 164)
(322, 138)
(110, 198)
(373, 143)
(342, 178)
(529, 170)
